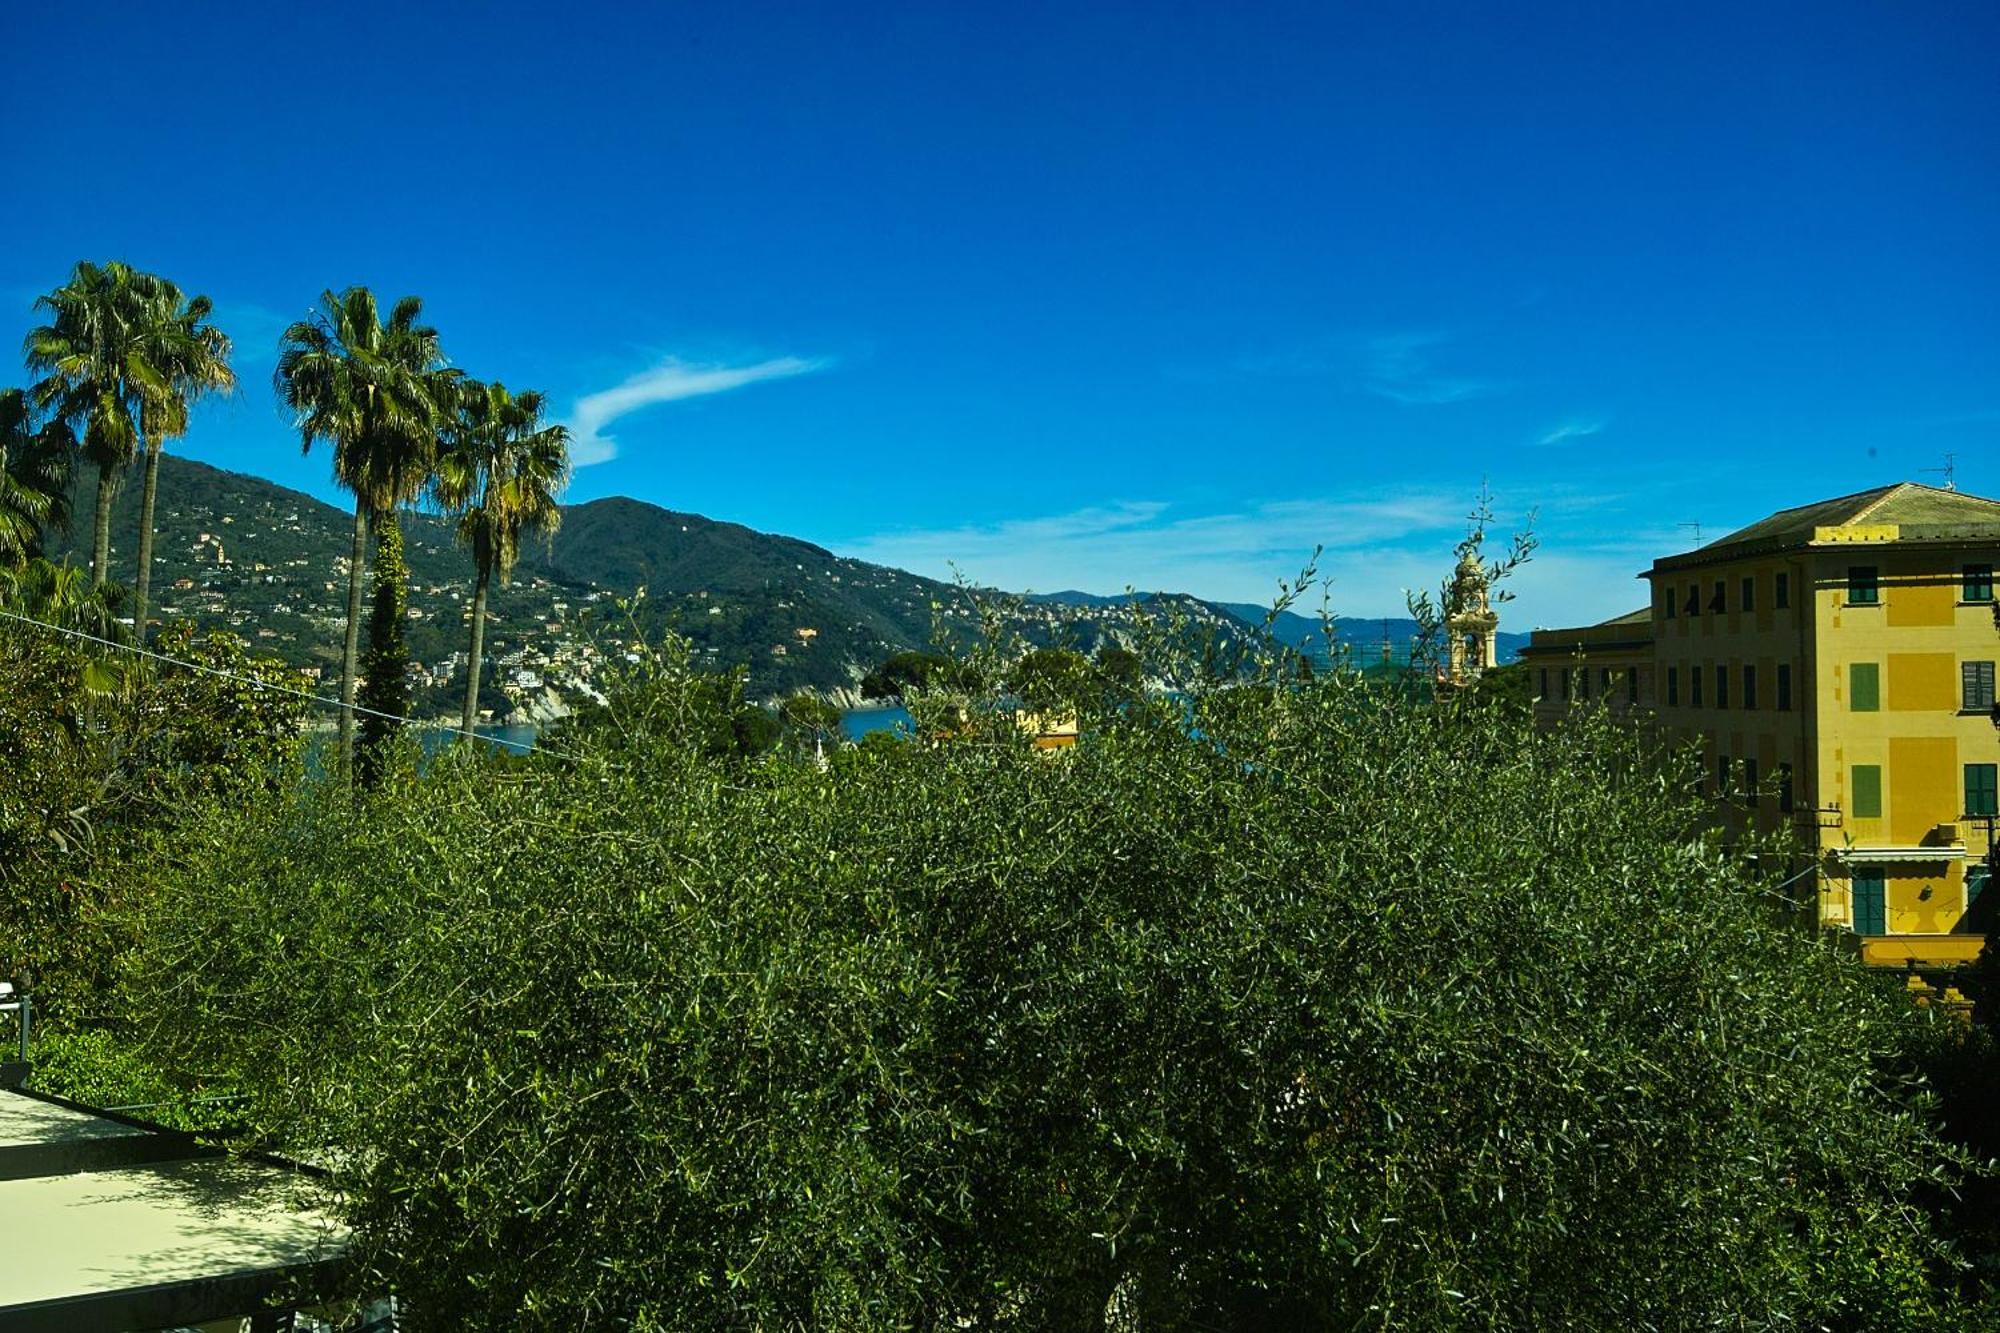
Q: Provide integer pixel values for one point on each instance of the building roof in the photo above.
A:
(1629, 632)
(115, 1223)
(1920, 514)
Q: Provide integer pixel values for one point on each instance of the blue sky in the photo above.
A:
(1091, 296)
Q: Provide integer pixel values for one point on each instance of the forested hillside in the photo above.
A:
(270, 562)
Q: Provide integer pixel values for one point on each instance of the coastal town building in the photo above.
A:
(1472, 626)
(1835, 664)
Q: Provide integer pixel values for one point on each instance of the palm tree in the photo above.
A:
(34, 478)
(373, 391)
(92, 367)
(190, 357)
(58, 594)
(500, 470)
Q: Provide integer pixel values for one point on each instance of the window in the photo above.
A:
(1784, 789)
(1583, 682)
(1693, 606)
(1562, 679)
(1975, 884)
(1976, 686)
(1784, 687)
(1749, 687)
(1694, 687)
(1749, 599)
(1868, 898)
(1673, 687)
(1864, 687)
(1545, 683)
(1750, 782)
(1862, 587)
(1721, 685)
(1631, 685)
(1667, 605)
(1722, 775)
(1781, 590)
(1978, 585)
(1866, 780)
(1982, 789)
(1716, 601)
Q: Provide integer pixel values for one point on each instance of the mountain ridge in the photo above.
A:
(238, 551)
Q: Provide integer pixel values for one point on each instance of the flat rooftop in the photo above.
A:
(112, 1223)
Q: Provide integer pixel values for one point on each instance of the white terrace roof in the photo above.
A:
(110, 1223)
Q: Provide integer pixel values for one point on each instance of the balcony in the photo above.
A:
(1910, 951)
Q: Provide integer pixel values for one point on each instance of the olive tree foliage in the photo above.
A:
(101, 756)
(1264, 1006)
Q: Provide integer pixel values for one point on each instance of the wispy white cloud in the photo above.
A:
(1235, 555)
(1376, 547)
(670, 381)
(1571, 430)
(253, 332)
(1402, 367)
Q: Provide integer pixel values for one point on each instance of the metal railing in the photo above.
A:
(16, 1002)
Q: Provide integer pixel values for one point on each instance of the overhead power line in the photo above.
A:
(273, 686)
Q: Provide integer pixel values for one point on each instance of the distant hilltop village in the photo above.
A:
(1835, 663)
(239, 552)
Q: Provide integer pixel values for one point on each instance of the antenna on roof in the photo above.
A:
(1950, 462)
(1697, 530)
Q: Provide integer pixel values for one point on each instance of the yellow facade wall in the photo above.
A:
(1930, 601)
(1917, 634)
(1922, 789)
(1921, 682)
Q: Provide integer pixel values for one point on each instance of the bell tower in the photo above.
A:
(1470, 620)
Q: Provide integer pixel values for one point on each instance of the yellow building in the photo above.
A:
(1836, 664)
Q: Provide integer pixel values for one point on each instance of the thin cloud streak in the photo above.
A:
(1400, 367)
(670, 381)
(1236, 556)
(254, 331)
(1376, 548)
(1571, 430)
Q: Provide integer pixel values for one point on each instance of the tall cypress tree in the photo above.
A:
(386, 663)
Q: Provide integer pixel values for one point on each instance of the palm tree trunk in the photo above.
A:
(351, 655)
(474, 658)
(145, 580)
(100, 548)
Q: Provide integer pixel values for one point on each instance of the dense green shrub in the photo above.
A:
(99, 754)
(99, 1067)
(1261, 1008)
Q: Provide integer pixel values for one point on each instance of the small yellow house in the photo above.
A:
(1841, 655)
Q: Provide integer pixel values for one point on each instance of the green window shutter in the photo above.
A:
(1982, 789)
(1864, 687)
(1976, 686)
(1866, 782)
(1868, 903)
